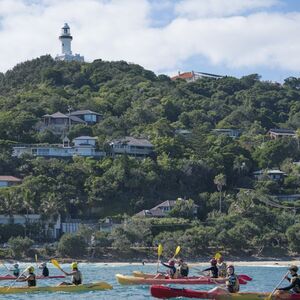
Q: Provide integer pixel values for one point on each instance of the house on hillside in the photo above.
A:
(193, 76)
(59, 123)
(7, 181)
(279, 133)
(81, 146)
(233, 133)
(88, 116)
(131, 146)
(51, 228)
(162, 210)
(275, 175)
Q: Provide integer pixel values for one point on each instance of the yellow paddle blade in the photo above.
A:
(177, 251)
(159, 249)
(218, 255)
(55, 263)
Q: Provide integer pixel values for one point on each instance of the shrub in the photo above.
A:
(72, 245)
(19, 245)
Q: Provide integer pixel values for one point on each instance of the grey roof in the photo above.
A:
(57, 115)
(269, 172)
(84, 112)
(85, 137)
(66, 26)
(132, 141)
(282, 131)
(76, 119)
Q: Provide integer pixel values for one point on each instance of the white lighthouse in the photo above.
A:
(66, 52)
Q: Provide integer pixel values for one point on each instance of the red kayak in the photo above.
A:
(164, 292)
(11, 277)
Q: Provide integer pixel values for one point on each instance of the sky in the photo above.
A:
(226, 37)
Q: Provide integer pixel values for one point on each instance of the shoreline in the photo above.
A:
(258, 263)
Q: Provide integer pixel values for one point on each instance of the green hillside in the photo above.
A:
(136, 102)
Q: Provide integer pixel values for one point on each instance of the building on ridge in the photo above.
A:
(193, 76)
(66, 40)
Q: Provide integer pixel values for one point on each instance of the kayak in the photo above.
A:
(131, 280)
(145, 275)
(11, 277)
(164, 292)
(97, 286)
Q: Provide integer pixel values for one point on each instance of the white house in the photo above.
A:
(193, 76)
(52, 227)
(6, 181)
(83, 146)
(131, 146)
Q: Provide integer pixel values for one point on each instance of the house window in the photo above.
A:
(90, 118)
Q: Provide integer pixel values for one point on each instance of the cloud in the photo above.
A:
(219, 8)
(122, 30)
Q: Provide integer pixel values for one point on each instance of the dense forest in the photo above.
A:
(203, 166)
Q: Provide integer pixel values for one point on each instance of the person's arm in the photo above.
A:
(166, 265)
(289, 287)
(208, 269)
(70, 274)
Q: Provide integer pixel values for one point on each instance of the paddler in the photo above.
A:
(232, 281)
(294, 286)
(214, 272)
(16, 270)
(183, 268)
(76, 275)
(30, 278)
(171, 266)
(222, 267)
(44, 268)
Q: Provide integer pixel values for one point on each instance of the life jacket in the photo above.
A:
(296, 279)
(32, 281)
(77, 278)
(222, 268)
(45, 272)
(232, 283)
(16, 272)
(183, 270)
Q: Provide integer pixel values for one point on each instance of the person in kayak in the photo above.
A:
(171, 266)
(15, 270)
(232, 281)
(76, 275)
(30, 278)
(222, 267)
(183, 268)
(214, 272)
(44, 268)
(294, 286)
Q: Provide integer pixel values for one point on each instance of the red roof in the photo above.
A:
(10, 179)
(186, 75)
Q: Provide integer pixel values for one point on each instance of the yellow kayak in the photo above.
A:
(145, 275)
(97, 286)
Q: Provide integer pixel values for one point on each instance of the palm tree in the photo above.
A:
(220, 181)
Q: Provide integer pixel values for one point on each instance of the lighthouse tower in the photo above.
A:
(66, 52)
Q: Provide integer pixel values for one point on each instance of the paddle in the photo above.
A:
(270, 296)
(18, 278)
(176, 251)
(159, 252)
(6, 267)
(57, 265)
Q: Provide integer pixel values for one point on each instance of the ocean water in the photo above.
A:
(265, 278)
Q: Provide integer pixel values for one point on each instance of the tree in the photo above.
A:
(183, 209)
(19, 245)
(220, 181)
(72, 245)
(293, 236)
